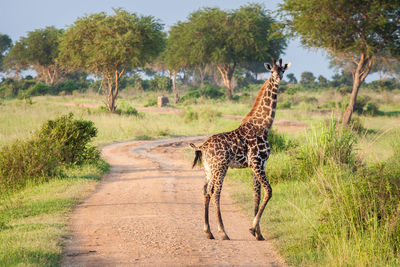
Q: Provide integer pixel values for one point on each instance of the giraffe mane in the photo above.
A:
(257, 102)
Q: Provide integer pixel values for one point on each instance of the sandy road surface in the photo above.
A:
(148, 211)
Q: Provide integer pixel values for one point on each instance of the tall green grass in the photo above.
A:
(330, 208)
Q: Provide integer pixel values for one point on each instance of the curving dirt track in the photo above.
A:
(148, 212)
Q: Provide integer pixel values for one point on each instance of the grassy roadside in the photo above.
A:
(289, 218)
(330, 207)
(33, 221)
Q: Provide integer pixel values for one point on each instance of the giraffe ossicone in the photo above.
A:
(245, 147)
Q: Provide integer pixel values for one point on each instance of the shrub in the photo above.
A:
(71, 135)
(27, 160)
(284, 105)
(361, 102)
(62, 141)
(160, 83)
(151, 103)
(291, 90)
(372, 109)
(279, 142)
(39, 89)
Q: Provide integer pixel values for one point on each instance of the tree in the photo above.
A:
(38, 51)
(227, 39)
(291, 78)
(307, 78)
(322, 81)
(5, 44)
(109, 45)
(355, 30)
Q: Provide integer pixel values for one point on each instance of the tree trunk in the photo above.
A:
(113, 81)
(226, 72)
(363, 67)
(174, 87)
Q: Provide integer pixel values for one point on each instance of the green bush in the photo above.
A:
(72, 137)
(22, 161)
(284, 104)
(372, 109)
(151, 103)
(40, 89)
(207, 91)
(62, 141)
(160, 83)
(279, 142)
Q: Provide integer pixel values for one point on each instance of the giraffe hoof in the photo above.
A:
(260, 237)
(210, 236)
(225, 237)
(252, 231)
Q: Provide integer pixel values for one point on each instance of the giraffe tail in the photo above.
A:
(198, 155)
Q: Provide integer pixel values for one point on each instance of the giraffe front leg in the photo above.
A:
(207, 198)
(262, 178)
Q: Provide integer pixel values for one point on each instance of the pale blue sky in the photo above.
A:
(21, 16)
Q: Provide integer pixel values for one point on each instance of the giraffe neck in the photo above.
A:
(262, 113)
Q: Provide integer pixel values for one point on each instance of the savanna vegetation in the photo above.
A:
(336, 188)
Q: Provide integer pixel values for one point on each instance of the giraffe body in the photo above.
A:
(245, 147)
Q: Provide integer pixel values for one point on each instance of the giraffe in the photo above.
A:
(245, 147)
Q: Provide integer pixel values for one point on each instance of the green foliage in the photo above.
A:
(372, 109)
(59, 142)
(109, 45)
(333, 143)
(39, 89)
(160, 83)
(129, 110)
(38, 50)
(361, 210)
(279, 142)
(207, 91)
(27, 160)
(284, 105)
(307, 78)
(72, 137)
(339, 24)
(5, 44)
(208, 115)
(224, 38)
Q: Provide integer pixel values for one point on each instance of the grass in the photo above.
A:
(18, 119)
(329, 209)
(33, 221)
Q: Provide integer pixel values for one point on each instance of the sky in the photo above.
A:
(18, 17)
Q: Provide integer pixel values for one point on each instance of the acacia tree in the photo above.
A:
(37, 51)
(5, 45)
(357, 31)
(227, 39)
(109, 45)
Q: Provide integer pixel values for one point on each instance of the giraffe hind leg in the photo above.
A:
(207, 197)
(216, 198)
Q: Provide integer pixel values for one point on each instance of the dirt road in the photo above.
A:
(148, 211)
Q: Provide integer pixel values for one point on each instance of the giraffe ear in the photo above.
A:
(267, 66)
(287, 65)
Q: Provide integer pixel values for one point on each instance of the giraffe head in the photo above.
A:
(277, 69)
